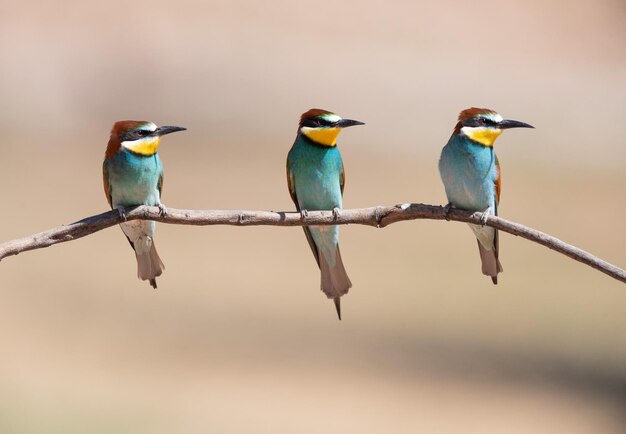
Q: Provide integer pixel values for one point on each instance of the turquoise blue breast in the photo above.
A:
(469, 172)
(134, 178)
(316, 172)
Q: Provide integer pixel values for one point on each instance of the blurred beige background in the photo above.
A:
(238, 338)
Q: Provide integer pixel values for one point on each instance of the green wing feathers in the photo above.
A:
(292, 192)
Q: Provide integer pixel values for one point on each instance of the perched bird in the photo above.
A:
(316, 178)
(471, 175)
(133, 175)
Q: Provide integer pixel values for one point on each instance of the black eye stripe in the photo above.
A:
(135, 135)
(143, 133)
(480, 122)
(316, 123)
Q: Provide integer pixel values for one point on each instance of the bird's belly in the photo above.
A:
(472, 195)
(317, 192)
(135, 194)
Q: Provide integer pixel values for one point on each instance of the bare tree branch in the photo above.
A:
(379, 216)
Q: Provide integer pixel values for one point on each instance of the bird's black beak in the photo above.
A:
(161, 131)
(344, 123)
(507, 123)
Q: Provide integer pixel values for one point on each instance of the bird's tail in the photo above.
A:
(335, 280)
(149, 265)
(490, 262)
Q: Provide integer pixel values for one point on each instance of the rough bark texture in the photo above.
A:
(379, 216)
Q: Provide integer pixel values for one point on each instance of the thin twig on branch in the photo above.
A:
(379, 216)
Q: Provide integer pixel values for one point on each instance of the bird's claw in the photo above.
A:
(483, 218)
(304, 213)
(336, 213)
(162, 210)
(121, 212)
(446, 211)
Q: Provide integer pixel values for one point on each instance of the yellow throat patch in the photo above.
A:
(323, 136)
(147, 146)
(484, 136)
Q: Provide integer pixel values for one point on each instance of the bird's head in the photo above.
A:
(484, 125)
(140, 137)
(323, 127)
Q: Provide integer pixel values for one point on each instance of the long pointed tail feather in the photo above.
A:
(337, 301)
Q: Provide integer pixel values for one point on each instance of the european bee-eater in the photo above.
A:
(133, 175)
(316, 179)
(471, 175)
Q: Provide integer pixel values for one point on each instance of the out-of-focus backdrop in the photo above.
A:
(238, 338)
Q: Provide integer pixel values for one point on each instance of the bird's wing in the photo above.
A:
(292, 191)
(342, 178)
(107, 184)
(107, 192)
(498, 184)
(160, 185)
(498, 181)
(292, 186)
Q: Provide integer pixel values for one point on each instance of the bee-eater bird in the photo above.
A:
(133, 175)
(471, 176)
(316, 178)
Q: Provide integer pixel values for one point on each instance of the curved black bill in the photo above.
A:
(507, 123)
(161, 131)
(344, 123)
